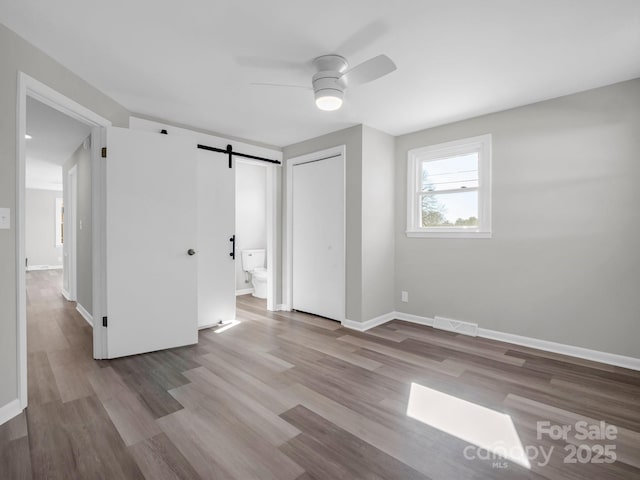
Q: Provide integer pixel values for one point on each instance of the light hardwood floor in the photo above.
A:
(292, 396)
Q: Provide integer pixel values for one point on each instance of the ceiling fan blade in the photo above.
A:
(372, 69)
(363, 38)
(260, 84)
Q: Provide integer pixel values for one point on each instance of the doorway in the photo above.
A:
(30, 90)
(253, 267)
(315, 246)
(57, 223)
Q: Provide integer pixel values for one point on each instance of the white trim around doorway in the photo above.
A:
(30, 87)
(70, 249)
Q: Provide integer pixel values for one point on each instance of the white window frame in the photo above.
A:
(480, 145)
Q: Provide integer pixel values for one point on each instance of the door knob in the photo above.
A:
(191, 251)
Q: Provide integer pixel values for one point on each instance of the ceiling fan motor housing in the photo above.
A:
(327, 81)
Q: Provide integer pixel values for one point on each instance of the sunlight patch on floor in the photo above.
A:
(478, 425)
(227, 326)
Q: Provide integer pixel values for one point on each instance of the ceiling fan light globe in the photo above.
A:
(329, 100)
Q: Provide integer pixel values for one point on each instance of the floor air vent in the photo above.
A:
(457, 326)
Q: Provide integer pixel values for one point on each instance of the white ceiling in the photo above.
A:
(55, 137)
(191, 62)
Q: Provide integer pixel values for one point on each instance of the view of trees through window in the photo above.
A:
(450, 192)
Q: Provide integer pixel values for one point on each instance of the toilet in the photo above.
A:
(253, 262)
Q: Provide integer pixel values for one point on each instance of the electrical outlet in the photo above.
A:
(405, 296)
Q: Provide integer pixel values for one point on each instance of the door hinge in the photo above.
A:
(104, 152)
(104, 321)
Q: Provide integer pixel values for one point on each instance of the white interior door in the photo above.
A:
(318, 271)
(216, 227)
(151, 225)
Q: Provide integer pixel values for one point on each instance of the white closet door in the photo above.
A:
(150, 228)
(318, 266)
(216, 226)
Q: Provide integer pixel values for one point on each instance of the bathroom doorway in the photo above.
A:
(254, 264)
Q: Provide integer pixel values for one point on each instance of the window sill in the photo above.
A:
(413, 234)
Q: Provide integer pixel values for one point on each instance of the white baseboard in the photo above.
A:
(32, 268)
(66, 295)
(9, 411)
(283, 307)
(570, 350)
(545, 345)
(374, 322)
(408, 317)
(86, 315)
(244, 291)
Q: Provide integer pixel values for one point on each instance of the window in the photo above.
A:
(449, 189)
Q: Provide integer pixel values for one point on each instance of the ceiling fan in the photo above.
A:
(333, 76)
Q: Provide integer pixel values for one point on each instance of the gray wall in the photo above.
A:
(251, 214)
(40, 227)
(352, 138)
(378, 174)
(18, 55)
(82, 158)
(563, 264)
(369, 216)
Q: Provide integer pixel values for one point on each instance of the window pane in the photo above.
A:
(450, 173)
(459, 209)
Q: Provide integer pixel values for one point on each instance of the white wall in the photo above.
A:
(40, 228)
(18, 55)
(251, 211)
(82, 158)
(563, 264)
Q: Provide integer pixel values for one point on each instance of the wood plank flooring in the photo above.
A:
(286, 395)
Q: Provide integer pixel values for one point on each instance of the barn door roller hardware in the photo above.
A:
(229, 151)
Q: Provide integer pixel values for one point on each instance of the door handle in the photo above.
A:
(191, 252)
(232, 254)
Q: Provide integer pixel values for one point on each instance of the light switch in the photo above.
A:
(5, 218)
